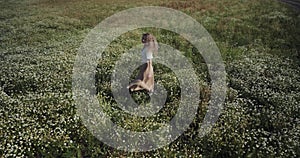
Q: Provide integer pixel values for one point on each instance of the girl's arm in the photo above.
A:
(149, 63)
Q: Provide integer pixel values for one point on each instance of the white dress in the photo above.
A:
(146, 55)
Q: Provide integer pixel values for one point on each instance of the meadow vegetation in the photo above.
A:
(259, 41)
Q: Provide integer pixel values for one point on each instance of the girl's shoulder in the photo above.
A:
(146, 50)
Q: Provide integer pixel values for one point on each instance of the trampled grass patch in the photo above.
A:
(259, 42)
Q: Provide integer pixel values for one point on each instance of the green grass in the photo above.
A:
(258, 40)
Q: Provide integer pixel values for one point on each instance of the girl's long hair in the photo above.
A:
(153, 45)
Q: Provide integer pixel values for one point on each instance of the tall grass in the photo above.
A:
(259, 42)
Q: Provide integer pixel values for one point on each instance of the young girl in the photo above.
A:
(145, 78)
